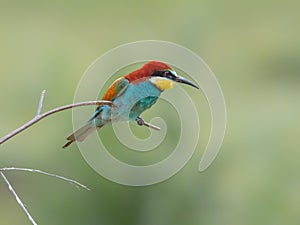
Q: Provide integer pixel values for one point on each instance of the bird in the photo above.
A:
(129, 96)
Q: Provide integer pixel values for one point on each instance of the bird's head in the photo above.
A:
(160, 74)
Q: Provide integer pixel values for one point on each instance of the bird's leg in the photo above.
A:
(140, 121)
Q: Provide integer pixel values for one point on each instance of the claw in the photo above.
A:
(140, 121)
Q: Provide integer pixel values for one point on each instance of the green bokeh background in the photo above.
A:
(253, 47)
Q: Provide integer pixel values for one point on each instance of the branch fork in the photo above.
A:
(19, 201)
(40, 116)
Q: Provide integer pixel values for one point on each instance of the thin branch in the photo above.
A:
(40, 106)
(151, 126)
(40, 116)
(76, 183)
(18, 199)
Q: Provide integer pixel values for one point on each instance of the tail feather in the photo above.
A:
(81, 134)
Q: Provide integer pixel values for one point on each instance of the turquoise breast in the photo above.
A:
(136, 99)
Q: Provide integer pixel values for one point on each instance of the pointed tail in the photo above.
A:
(81, 133)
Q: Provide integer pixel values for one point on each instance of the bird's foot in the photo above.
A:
(140, 121)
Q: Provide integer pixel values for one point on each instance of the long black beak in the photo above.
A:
(185, 81)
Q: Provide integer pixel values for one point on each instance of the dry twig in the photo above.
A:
(76, 183)
(18, 199)
(40, 116)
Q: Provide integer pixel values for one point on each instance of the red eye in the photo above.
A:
(168, 74)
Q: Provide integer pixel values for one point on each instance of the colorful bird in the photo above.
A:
(130, 96)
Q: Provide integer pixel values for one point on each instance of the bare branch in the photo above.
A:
(18, 199)
(40, 106)
(151, 126)
(40, 116)
(76, 183)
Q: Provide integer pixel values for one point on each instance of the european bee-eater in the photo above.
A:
(130, 95)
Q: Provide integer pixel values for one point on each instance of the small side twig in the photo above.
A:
(18, 199)
(40, 106)
(74, 182)
(151, 126)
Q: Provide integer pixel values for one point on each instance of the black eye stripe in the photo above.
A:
(165, 73)
(158, 73)
(169, 74)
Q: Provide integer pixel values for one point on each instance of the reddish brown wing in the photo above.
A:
(117, 87)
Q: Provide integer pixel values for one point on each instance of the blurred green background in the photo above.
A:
(253, 47)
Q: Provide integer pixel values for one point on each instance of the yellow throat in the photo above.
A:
(162, 83)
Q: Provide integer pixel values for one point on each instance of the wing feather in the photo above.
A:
(116, 89)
